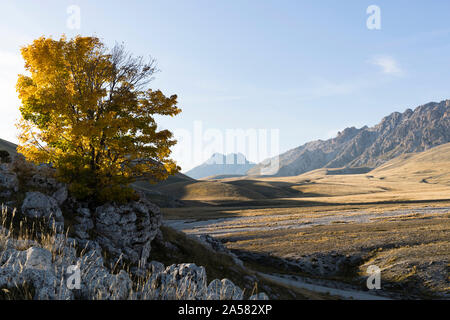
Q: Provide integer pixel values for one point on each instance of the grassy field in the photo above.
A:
(413, 177)
(410, 242)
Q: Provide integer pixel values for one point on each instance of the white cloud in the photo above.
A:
(387, 64)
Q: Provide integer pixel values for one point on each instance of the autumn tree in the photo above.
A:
(89, 112)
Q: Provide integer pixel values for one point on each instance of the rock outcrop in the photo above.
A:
(177, 282)
(38, 205)
(224, 290)
(9, 182)
(126, 231)
(48, 272)
(104, 239)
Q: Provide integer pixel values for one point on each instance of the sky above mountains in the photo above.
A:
(306, 68)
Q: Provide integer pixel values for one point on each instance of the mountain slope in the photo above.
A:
(431, 166)
(8, 146)
(412, 131)
(219, 164)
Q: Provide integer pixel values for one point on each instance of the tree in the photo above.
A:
(89, 112)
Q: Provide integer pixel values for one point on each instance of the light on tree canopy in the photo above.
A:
(88, 110)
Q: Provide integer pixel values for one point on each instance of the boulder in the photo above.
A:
(8, 181)
(184, 281)
(126, 231)
(43, 178)
(259, 296)
(83, 223)
(97, 281)
(224, 290)
(38, 258)
(39, 205)
(61, 194)
(46, 272)
(33, 268)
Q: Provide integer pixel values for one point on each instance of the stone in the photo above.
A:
(259, 296)
(224, 290)
(39, 205)
(156, 267)
(9, 181)
(184, 281)
(83, 223)
(38, 258)
(61, 195)
(34, 268)
(126, 231)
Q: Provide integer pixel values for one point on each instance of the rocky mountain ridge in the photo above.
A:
(398, 133)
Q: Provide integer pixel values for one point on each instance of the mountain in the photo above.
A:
(220, 164)
(412, 131)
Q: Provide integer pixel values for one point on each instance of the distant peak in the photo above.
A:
(231, 158)
(221, 164)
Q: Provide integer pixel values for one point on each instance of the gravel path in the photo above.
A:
(341, 293)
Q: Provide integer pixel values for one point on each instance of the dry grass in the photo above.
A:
(412, 251)
(414, 177)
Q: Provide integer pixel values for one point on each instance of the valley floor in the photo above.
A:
(331, 246)
(332, 224)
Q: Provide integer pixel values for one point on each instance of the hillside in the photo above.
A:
(414, 176)
(8, 146)
(431, 166)
(220, 164)
(399, 133)
(409, 177)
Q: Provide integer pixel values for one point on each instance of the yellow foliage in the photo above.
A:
(89, 112)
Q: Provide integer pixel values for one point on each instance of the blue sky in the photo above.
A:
(307, 68)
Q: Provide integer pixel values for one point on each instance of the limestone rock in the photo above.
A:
(259, 296)
(177, 282)
(83, 223)
(61, 195)
(126, 231)
(39, 205)
(224, 290)
(33, 267)
(38, 258)
(99, 283)
(8, 181)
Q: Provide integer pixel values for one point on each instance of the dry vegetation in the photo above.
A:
(313, 240)
(396, 216)
(414, 177)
